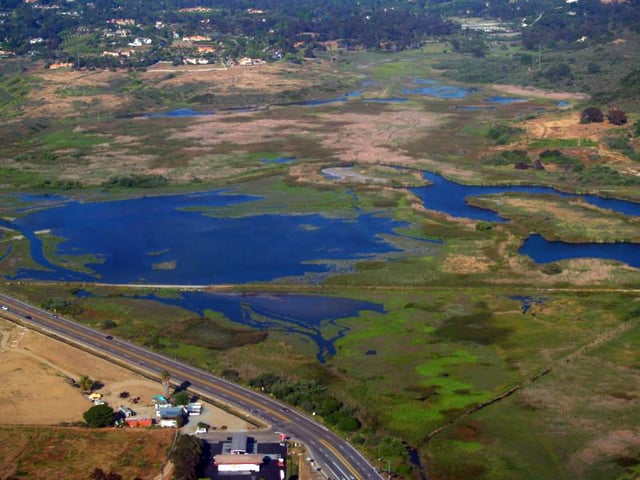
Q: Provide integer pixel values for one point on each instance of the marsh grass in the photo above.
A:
(570, 220)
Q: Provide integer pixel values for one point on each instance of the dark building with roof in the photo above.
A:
(243, 458)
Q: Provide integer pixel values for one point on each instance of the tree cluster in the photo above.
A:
(186, 457)
(99, 474)
(615, 116)
(310, 396)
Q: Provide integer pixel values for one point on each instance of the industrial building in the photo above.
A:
(243, 458)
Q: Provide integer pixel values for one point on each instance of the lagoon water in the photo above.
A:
(190, 239)
(187, 239)
(545, 251)
(432, 88)
(504, 100)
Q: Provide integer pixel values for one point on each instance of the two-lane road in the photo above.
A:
(335, 456)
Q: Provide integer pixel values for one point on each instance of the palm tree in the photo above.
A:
(166, 378)
(86, 384)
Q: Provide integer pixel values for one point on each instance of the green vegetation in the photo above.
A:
(622, 143)
(136, 181)
(430, 374)
(100, 416)
(555, 143)
(86, 383)
(502, 133)
(309, 396)
(186, 457)
(68, 138)
(182, 397)
(14, 90)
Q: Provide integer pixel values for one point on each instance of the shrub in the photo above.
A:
(107, 324)
(61, 184)
(559, 158)
(502, 133)
(348, 423)
(591, 115)
(616, 116)
(484, 226)
(507, 157)
(99, 416)
(558, 71)
(230, 374)
(98, 474)
(182, 397)
(136, 181)
(551, 268)
(308, 395)
(604, 175)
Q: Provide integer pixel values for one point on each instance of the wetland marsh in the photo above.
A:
(327, 242)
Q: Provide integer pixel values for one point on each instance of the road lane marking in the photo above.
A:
(346, 476)
(335, 452)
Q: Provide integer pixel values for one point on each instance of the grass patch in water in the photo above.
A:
(572, 220)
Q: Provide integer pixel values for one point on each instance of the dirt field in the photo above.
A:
(62, 93)
(538, 92)
(33, 369)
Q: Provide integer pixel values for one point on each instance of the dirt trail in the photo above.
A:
(15, 346)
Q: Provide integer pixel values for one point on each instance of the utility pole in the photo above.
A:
(539, 55)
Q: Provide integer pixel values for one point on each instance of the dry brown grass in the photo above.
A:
(466, 264)
(33, 368)
(616, 444)
(73, 453)
(48, 99)
(568, 126)
(538, 92)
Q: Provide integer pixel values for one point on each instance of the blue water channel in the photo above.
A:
(315, 319)
(433, 88)
(449, 197)
(546, 251)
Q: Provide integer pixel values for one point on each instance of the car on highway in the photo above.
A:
(4, 307)
(109, 337)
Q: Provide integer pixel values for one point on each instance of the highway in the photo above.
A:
(335, 457)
